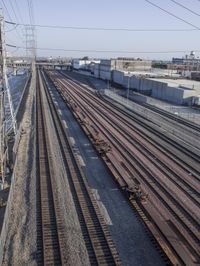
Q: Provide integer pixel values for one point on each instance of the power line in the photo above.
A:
(106, 51)
(6, 10)
(12, 28)
(30, 8)
(19, 12)
(188, 9)
(13, 9)
(99, 28)
(9, 16)
(173, 15)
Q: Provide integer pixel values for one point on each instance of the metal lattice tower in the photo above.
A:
(5, 89)
(30, 42)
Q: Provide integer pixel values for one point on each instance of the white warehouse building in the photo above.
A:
(179, 91)
(83, 64)
(106, 66)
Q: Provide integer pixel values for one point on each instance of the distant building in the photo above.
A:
(79, 64)
(190, 62)
(195, 75)
(124, 64)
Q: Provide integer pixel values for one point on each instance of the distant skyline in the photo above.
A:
(129, 14)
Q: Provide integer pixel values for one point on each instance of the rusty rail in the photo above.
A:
(132, 158)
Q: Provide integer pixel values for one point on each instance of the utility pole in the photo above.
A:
(4, 89)
(2, 114)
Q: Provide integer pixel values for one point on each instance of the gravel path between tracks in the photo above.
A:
(128, 233)
(21, 237)
(76, 253)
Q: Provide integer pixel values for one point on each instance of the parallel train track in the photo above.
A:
(98, 242)
(48, 216)
(181, 222)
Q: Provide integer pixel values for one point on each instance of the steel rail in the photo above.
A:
(98, 241)
(118, 125)
(48, 214)
(176, 211)
(131, 154)
(130, 116)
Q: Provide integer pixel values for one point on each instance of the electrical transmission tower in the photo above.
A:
(5, 89)
(30, 42)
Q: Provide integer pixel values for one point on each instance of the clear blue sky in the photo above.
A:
(108, 14)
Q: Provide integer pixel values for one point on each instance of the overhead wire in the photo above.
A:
(188, 9)
(106, 51)
(13, 10)
(19, 12)
(30, 31)
(99, 28)
(171, 14)
(9, 16)
(30, 7)
(12, 28)
(6, 9)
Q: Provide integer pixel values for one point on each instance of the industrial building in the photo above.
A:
(83, 64)
(139, 76)
(179, 91)
(188, 62)
(106, 66)
(195, 75)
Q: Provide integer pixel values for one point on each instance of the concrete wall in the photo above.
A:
(105, 75)
(134, 83)
(188, 96)
(138, 84)
(196, 100)
(118, 76)
(176, 95)
(167, 93)
(96, 71)
(105, 69)
(108, 62)
(146, 86)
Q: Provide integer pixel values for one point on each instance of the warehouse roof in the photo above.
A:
(154, 72)
(187, 84)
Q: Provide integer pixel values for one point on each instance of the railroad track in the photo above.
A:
(49, 222)
(149, 130)
(186, 159)
(98, 242)
(181, 222)
(174, 117)
(195, 128)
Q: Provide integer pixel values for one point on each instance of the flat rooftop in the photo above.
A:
(191, 84)
(154, 72)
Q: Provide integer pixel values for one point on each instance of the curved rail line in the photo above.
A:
(165, 188)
